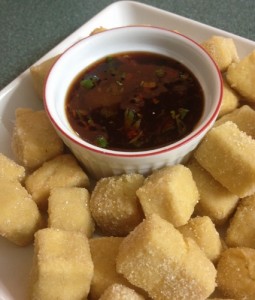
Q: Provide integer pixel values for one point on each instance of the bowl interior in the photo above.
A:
(130, 39)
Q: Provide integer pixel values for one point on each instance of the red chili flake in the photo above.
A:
(132, 133)
(148, 84)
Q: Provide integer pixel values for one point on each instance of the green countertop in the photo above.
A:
(30, 28)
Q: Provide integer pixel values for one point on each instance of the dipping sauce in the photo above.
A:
(134, 101)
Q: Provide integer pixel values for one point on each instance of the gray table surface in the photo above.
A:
(30, 28)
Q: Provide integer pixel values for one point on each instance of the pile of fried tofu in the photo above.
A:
(184, 232)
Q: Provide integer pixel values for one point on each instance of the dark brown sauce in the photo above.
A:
(134, 102)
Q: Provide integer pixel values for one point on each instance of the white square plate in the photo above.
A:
(15, 262)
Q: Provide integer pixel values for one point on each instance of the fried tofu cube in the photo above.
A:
(230, 100)
(62, 265)
(215, 201)
(228, 154)
(203, 232)
(104, 251)
(241, 231)
(222, 50)
(34, 139)
(114, 204)
(68, 209)
(120, 292)
(156, 258)
(243, 117)
(61, 171)
(241, 76)
(171, 193)
(235, 273)
(39, 74)
(9, 169)
(19, 215)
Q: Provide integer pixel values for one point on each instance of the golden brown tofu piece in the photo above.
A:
(39, 74)
(97, 30)
(68, 209)
(236, 273)
(34, 139)
(241, 231)
(222, 50)
(203, 232)
(221, 298)
(228, 154)
(19, 215)
(62, 265)
(230, 100)
(120, 292)
(171, 193)
(215, 201)
(104, 251)
(114, 204)
(9, 169)
(156, 258)
(241, 76)
(243, 117)
(61, 171)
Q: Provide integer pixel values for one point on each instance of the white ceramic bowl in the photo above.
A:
(103, 162)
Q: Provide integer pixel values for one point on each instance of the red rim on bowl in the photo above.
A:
(199, 130)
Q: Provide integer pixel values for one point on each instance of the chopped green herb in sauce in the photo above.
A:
(101, 142)
(134, 102)
(89, 82)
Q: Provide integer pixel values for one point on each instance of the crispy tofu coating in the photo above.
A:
(157, 258)
(230, 100)
(215, 201)
(243, 117)
(62, 265)
(120, 292)
(68, 209)
(39, 74)
(114, 204)
(222, 50)
(34, 139)
(241, 77)
(241, 231)
(203, 232)
(61, 171)
(171, 193)
(221, 298)
(104, 251)
(19, 215)
(9, 169)
(97, 30)
(236, 273)
(228, 154)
